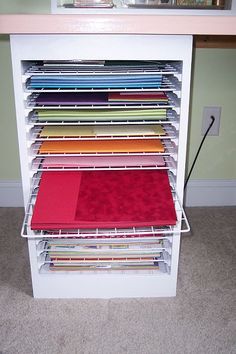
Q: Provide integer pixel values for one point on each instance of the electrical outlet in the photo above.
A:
(206, 120)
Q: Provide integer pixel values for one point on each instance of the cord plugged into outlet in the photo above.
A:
(209, 112)
(211, 123)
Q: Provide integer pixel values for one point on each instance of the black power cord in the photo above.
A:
(195, 159)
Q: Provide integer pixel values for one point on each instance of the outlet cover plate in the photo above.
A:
(206, 120)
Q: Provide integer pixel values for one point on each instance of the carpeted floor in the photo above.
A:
(200, 319)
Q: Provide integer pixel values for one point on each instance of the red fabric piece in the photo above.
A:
(103, 199)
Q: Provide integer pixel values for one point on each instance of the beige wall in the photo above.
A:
(214, 83)
(25, 6)
(9, 157)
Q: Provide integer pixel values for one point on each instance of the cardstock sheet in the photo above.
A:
(137, 97)
(96, 78)
(100, 114)
(66, 267)
(101, 161)
(54, 188)
(102, 146)
(118, 85)
(103, 199)
(72, 98)
(135, 198)
(102, 130)
(99, 81)
(83, 99)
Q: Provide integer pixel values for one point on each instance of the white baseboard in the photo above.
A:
(198, 193)
(211, 193)
(11, 194)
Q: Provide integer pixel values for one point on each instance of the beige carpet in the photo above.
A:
(201, 319)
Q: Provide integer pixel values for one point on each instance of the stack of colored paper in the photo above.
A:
(74, 257)
(154, 265)
(103, 199)
(99, 255)
(100, 114)
(98, 81)
(120, 263)
(102, 161)
(101, 130)
(113, 246)
(101, 146)
(95, 99)
(98, 66)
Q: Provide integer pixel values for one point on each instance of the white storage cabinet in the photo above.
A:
(174, 54)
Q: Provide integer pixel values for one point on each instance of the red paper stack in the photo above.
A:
(103, 199)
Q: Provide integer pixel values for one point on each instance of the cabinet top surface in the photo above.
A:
(117, 24)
